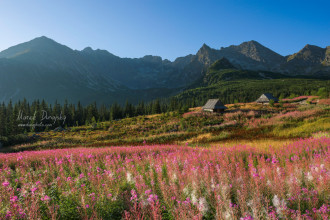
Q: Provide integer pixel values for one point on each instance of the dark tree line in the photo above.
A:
(13, 115)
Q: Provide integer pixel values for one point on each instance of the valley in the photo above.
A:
(90, 135)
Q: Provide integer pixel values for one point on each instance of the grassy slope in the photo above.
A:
(229, 84)
(250, 90)
(242, 123)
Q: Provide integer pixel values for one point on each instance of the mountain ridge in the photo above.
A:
(91, 73)
(248, 55)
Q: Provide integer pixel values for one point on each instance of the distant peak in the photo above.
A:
(311, 49)
(251, 42)
(309, 46)
(43, 41)
(43, 38)
(151, 58)
(88, 49)
(204, 49)
(205, 46)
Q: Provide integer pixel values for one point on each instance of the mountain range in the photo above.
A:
(45, 69)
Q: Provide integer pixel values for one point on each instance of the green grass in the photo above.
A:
(303, 129)
(248, 90)
(173, 128)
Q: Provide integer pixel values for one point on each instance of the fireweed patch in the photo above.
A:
(168, 182)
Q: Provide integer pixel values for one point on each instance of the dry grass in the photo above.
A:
(198, 138)
(263, 144)
(152, 116)
(196, 109)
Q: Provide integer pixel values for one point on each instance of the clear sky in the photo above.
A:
(168, 28)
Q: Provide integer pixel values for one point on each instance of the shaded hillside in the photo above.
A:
(223, 80)
(45, 69)
(310, 59)
(223, 70)
(250, 90)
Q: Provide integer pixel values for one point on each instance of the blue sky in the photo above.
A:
(168, 28)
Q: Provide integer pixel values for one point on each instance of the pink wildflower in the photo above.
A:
(147, 192)
(6, 183)
(45, 198)
(274, 160)
(13, 198)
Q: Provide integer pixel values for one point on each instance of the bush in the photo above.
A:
(323, 93)
(15, 139)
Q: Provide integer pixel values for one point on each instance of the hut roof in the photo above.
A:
(266, 97)
(214, 104)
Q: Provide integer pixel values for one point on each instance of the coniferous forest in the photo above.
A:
(17, 119)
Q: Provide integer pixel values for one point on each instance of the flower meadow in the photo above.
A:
(168, 182)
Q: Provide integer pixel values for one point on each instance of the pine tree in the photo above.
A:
(79, 115)
(3, 121)
(115, 112)
(140, 109)
(156, 107)
(128, 110)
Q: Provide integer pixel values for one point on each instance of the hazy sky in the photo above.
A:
(168, 28)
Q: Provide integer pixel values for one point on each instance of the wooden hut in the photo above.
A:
(214, 105)
(265, 98)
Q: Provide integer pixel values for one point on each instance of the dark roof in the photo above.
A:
(266, 97)
(214, 104)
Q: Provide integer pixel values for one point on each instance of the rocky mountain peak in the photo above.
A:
(43, 60)
(251, 43)
(204, 49)
(206, 55)
(152, 59)
(326, 61)
(42, 39)
(309, 54)
(258, 52)
(43, 43)
(40, 46)
(309, 47)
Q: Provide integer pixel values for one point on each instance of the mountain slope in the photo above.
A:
(43, 68)
(224, 81)
(223, 70)
(252, 55)
(310, 59)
